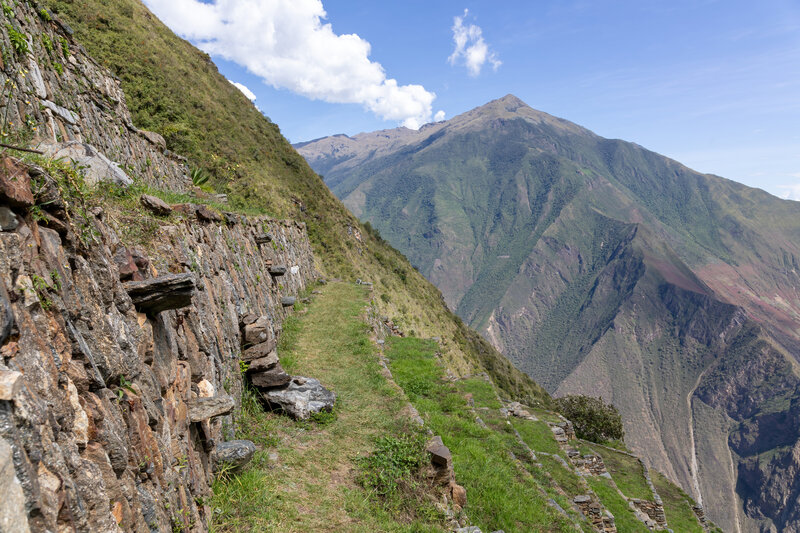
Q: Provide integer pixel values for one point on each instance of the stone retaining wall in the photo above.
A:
(109, 414)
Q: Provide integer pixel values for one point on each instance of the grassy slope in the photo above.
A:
(172, 88)
(311, 486)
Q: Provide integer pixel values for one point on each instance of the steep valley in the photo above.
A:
(601, 268)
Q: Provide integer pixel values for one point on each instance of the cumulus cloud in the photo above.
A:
(471, 49)
(288, 44)
(791, 191)
(242, 87)
(439, 116)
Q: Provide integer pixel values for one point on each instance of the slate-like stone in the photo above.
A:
(98, 167)
(262, 364)
(6, 314)
(278, 270)
(8, 219)
(260, 350)
(276, 376)
(204, 408)
(263, 238)
(440, 454)
(582, 499)
(257, 331)
(232, 454)
(61, 112)
(126, 265)
(172, 291)
(301, 398)
(155, 205)
(154, 138)
(15, 183)
(206, 214)
(288, 301)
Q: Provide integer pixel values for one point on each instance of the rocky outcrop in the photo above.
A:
(117, 396)
(62, 95)
(301, 398)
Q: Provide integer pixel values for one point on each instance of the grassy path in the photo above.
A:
(303, 476)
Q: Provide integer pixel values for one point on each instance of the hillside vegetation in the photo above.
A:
(174, 89)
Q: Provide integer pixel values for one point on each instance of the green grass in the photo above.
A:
(627, 473)
(537, 435)
(623, 515)
(500, 494)
(315, 484)
(568, 480)
(482, 391)
(677, 506)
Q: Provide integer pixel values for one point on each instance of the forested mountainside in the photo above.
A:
(603, 268)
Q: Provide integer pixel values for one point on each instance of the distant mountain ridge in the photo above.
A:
(600, 267)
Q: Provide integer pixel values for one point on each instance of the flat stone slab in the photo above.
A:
(259, 351)
(440, 454)
(263, 238)
(278, 270)
(98, 167)
(155, 205)
(262, 364)
(288, 301)
(172, 291)
(301, 398)
(204, 408)
(274, 377)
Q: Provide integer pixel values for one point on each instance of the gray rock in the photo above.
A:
(152, 296)
(469, 529)
(584, 498)
(259, 351)
(257, 331)
(263, 238)
(8, 220)
(204, 408)
(98, 167)
(206, 214)
(270, 378)
(62, 112)
(6, 314)
(12, 505)
(301, 398)
(35, 75)
(277, 270)
(262, 364)
(155, 205)
(288, 301)
(232, 454)
(154, 138)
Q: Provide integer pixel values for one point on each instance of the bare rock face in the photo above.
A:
(12, 505)
(301, 398)
(15, 183)
(205, 408)
(152, 296)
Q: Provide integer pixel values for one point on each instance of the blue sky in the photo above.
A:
(713, 84)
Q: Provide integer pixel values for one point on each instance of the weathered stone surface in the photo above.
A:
(259, 350)
(206, 214)
(440, 454)
(155, 205)
(257, 331)
(15, 183)
(98, 167)
(152, 296)
(6, 314)
(62, 112)
(8, 219)
(126, 265)
(10, 384)
(154, 138)
(13, 517)
(263, 238)
(301, 398)
(233, 454)
(288, 301)
(459, 494)
(270, 378)
(278, 270)
(205, 408)
(186, 209)
(263, 364)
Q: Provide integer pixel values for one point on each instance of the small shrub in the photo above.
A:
(593, 419)
(395, 459)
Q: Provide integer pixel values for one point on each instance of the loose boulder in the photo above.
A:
(259, 350)
(301, 398)
(155, 205)
(278, 270)
(271, 378)
(288, 301)
(233, 454)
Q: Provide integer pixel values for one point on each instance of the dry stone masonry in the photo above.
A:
(118, 398)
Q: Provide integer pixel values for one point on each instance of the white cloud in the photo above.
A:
(242, 87)
(439, 116)
(286, 43)
(471, 49)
